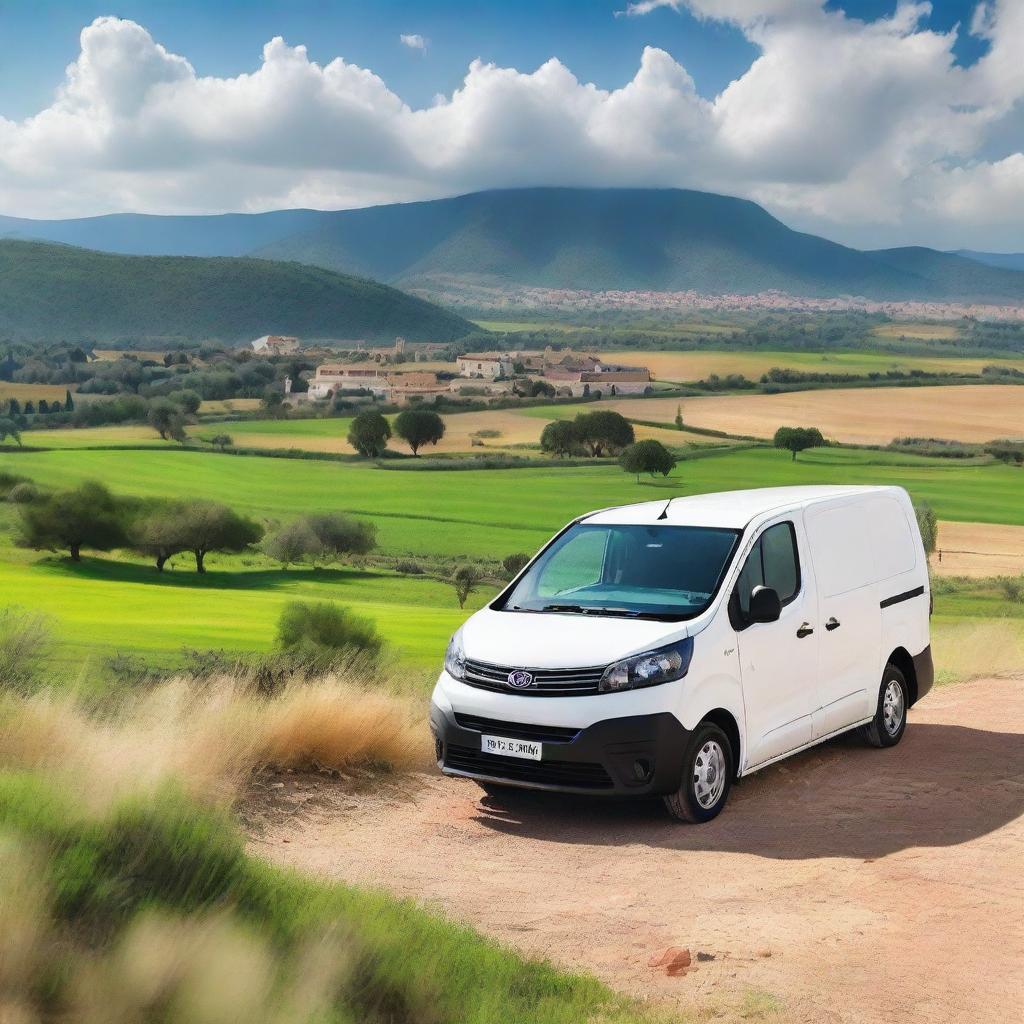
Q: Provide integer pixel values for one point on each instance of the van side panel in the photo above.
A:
(873, 577)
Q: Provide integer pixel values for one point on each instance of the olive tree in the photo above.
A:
(88, 516)
(158, 533)
(166, 418)
(559, 438)
(369, 433)
(417, 427)
(603, 431)
(649, 456)
(207, 526)
(292, 543)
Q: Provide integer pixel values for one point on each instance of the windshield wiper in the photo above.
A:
(627, 613)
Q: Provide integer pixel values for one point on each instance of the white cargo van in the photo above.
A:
(670, 647)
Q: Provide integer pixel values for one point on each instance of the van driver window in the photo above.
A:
(772, 562)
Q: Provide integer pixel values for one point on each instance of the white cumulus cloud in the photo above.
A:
(865, 131)
(413, 40)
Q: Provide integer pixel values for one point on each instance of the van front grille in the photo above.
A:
(578, 774)
(547, 682)
(517, 730)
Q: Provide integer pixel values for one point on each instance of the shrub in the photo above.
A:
(514, 564)
(23, 493)
(410, 568)
(326, 625)
(465, 580)
(26, 641)
(928, 524)
(1012, 587)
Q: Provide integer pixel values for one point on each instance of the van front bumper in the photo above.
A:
(637, 756)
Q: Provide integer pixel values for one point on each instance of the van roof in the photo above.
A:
(732, 509)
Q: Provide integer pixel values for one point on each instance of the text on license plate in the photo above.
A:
(510, 748)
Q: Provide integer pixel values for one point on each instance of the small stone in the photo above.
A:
(705, 957)
(765, 953)
(285, 840)
(277, 785)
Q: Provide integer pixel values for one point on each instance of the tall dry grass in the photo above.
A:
(975, 648)
(209, 736)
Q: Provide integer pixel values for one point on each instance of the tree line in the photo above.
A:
(90, 517)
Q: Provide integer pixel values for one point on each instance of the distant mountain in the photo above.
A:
(57, 292)
(630, 239)
(1006, 260)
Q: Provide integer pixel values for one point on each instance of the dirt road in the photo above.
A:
(850, 884)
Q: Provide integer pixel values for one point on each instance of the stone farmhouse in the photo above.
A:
(487, 365)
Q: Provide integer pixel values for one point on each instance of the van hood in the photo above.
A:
(551, 640)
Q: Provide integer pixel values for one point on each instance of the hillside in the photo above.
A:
(55, 292)
(631, 239)
(1006, 260)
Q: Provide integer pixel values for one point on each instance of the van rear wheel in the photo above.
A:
(890, 721)
(708, 768)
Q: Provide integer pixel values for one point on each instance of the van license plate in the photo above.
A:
(510, 748)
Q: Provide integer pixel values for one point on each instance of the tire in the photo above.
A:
(707, 776)
(890, 721)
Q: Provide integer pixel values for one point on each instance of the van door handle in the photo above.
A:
(832, 623)
(804, 630)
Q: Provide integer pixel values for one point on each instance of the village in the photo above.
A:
(403, 375)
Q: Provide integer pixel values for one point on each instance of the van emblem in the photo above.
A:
(519, 679)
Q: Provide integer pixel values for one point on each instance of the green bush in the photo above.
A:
(326, 625)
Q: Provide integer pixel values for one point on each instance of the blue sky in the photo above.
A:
(224, 37)
(869, 121)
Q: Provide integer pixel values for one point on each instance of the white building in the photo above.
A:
(485, 364)
(332, 378)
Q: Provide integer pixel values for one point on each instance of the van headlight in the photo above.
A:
(455, 658)
(648, 669)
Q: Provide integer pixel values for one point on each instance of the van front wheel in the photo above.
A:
(707, 776)
(887, 727)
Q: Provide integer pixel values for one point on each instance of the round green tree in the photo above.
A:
(650, 457)
(417, 427)
(369, 434)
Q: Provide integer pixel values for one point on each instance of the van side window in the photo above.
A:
(772, 562)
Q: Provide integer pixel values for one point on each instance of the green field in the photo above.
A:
(107, 604)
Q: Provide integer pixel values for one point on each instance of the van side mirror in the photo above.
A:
(765, 605)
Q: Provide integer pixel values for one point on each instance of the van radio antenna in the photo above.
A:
(664, 511)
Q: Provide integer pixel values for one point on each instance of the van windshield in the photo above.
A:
(660, 572)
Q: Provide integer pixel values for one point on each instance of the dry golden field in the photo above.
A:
(32, 392)
(979, 549)
(231, 405)
(106, 355)
(690, 366)
(917, 329)
(970, 412)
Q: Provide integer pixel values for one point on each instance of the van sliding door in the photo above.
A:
(848, 614)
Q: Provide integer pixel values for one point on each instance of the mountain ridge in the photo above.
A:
(585, 239)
